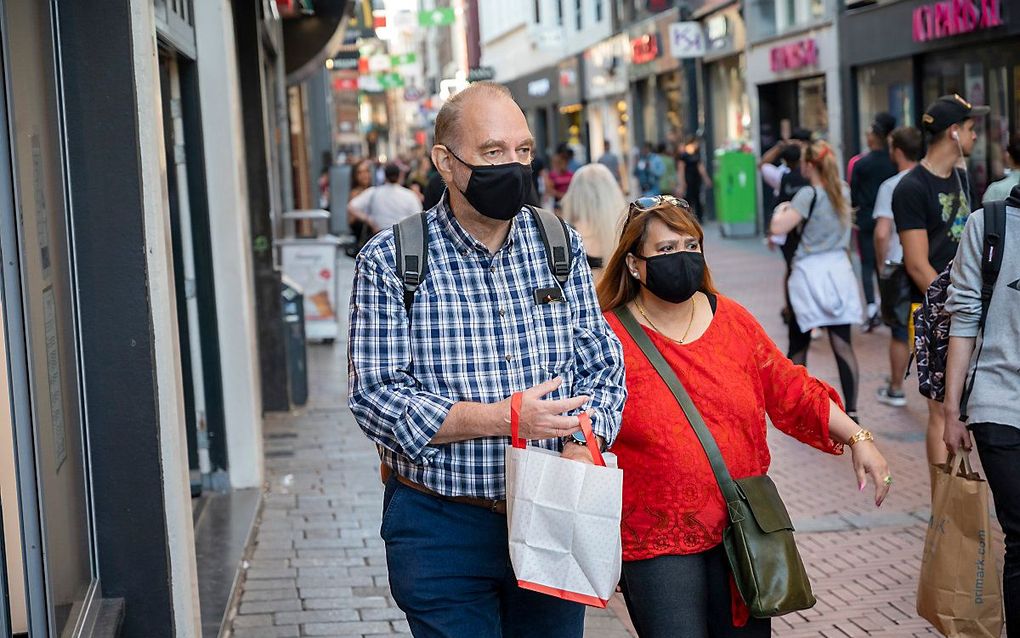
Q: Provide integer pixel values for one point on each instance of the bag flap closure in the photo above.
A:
(765, 504)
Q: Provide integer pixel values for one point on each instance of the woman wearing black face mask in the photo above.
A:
(656, 285)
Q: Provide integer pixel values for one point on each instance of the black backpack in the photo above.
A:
(931, 321)
(411, 238)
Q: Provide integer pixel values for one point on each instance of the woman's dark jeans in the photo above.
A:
(685, 597)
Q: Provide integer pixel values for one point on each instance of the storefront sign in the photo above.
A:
(954, 17)
(481, 74)
(686, 40)
(796, 55)
(539, 87)
(345, 84)
(645, 49)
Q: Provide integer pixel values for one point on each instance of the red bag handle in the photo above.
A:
(515, 429)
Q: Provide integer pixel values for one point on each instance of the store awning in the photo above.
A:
(309, 37)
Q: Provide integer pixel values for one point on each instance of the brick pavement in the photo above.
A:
(317, 566)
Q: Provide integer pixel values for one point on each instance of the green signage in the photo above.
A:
(436, 17)
(391, 81)
(403, 58)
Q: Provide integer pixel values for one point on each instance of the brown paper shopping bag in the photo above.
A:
(959, 591)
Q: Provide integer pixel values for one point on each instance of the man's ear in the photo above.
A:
(442, 160)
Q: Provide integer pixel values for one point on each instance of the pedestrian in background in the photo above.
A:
(558, 178)
(676, 579)
(379, 207)
(430, 385)
(822, 285)
(611, 161)
(693, 177)
(648, 170)
(869, 172)
(1000, 190)
(669, 182)
(361, 180)
(992, 411)
(594, 205)
(905, 146)
(930, 206)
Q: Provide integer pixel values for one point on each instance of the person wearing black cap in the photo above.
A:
(930, 206)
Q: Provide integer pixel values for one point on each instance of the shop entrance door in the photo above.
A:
(39, 304)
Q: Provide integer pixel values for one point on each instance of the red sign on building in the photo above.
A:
(644, 49)
(954, 17)
(796, 55)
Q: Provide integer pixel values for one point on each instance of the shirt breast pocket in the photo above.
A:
(552, 338)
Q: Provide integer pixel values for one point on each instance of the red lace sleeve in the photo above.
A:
(797, 403)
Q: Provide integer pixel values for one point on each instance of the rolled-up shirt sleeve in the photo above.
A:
(598, 355)
(964, 300)
(385, 399)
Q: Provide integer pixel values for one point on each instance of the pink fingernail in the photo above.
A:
(861, 488)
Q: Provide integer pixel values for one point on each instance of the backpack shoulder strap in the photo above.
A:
(556, 239)
(991, 251)
(411, 238)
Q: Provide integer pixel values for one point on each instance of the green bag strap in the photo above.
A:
(640, 337)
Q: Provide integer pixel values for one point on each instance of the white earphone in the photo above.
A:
(956, 136)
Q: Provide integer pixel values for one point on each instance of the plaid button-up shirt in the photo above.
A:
(475, 333)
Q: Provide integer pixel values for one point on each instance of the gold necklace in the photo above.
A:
(683, 339)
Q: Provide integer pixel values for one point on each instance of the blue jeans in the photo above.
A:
(450, 572)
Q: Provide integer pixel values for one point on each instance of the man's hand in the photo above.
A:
(541, 419)
(956, 434)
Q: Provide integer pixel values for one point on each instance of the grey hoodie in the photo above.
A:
(996, 395)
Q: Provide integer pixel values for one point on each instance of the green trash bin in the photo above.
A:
(736, 179)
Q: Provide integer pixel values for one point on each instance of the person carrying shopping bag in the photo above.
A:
(490, 298)
(702, 375)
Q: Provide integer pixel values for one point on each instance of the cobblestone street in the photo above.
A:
(316, 566)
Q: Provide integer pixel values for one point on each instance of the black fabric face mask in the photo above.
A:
(497, 191)
(674, 277)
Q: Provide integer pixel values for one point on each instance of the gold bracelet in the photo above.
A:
(861, 435)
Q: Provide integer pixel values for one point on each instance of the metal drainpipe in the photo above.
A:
(188, 259)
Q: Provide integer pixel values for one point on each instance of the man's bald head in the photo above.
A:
(446, 132)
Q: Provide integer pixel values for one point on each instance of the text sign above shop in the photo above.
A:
(644, 49)
(686, 40)
(954, 17)
(796, 55)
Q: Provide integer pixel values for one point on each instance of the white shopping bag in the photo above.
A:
(564, 519)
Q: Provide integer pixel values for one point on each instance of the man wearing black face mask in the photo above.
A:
(431, 376)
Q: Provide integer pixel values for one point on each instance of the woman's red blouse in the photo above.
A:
(735, 376)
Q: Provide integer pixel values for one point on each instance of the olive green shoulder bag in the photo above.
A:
(759, 539)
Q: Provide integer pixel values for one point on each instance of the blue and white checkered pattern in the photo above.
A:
(475, 334)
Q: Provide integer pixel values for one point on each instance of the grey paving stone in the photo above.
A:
(260, 595)
(254, 620)
(271, 606)
(275, 583)
(316, 616)
(347, 629)
(387, 613)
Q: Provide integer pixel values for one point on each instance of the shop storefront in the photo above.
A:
(961, 46)
(658, 87)
(608, 108)
(796, 79)
(572, 125)
(538, 95)
(728, 108)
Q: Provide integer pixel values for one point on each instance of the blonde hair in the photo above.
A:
(595, 205)
(446, 133)
(821, 157)
(617, 287)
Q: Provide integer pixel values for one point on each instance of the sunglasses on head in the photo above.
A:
(651, 201)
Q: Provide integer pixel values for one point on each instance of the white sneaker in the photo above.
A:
(888, 397)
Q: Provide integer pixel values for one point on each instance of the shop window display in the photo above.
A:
(886, 87)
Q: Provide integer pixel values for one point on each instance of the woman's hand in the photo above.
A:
(868, 460)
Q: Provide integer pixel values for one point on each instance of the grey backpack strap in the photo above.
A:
(411, 238)
(557, 243)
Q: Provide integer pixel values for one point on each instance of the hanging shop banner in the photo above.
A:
(403, 58)
(391, 81)
(686, 40)
(437, 17)
(481, 74)
(378, 63)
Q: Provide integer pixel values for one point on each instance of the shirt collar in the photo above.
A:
(464, 241)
